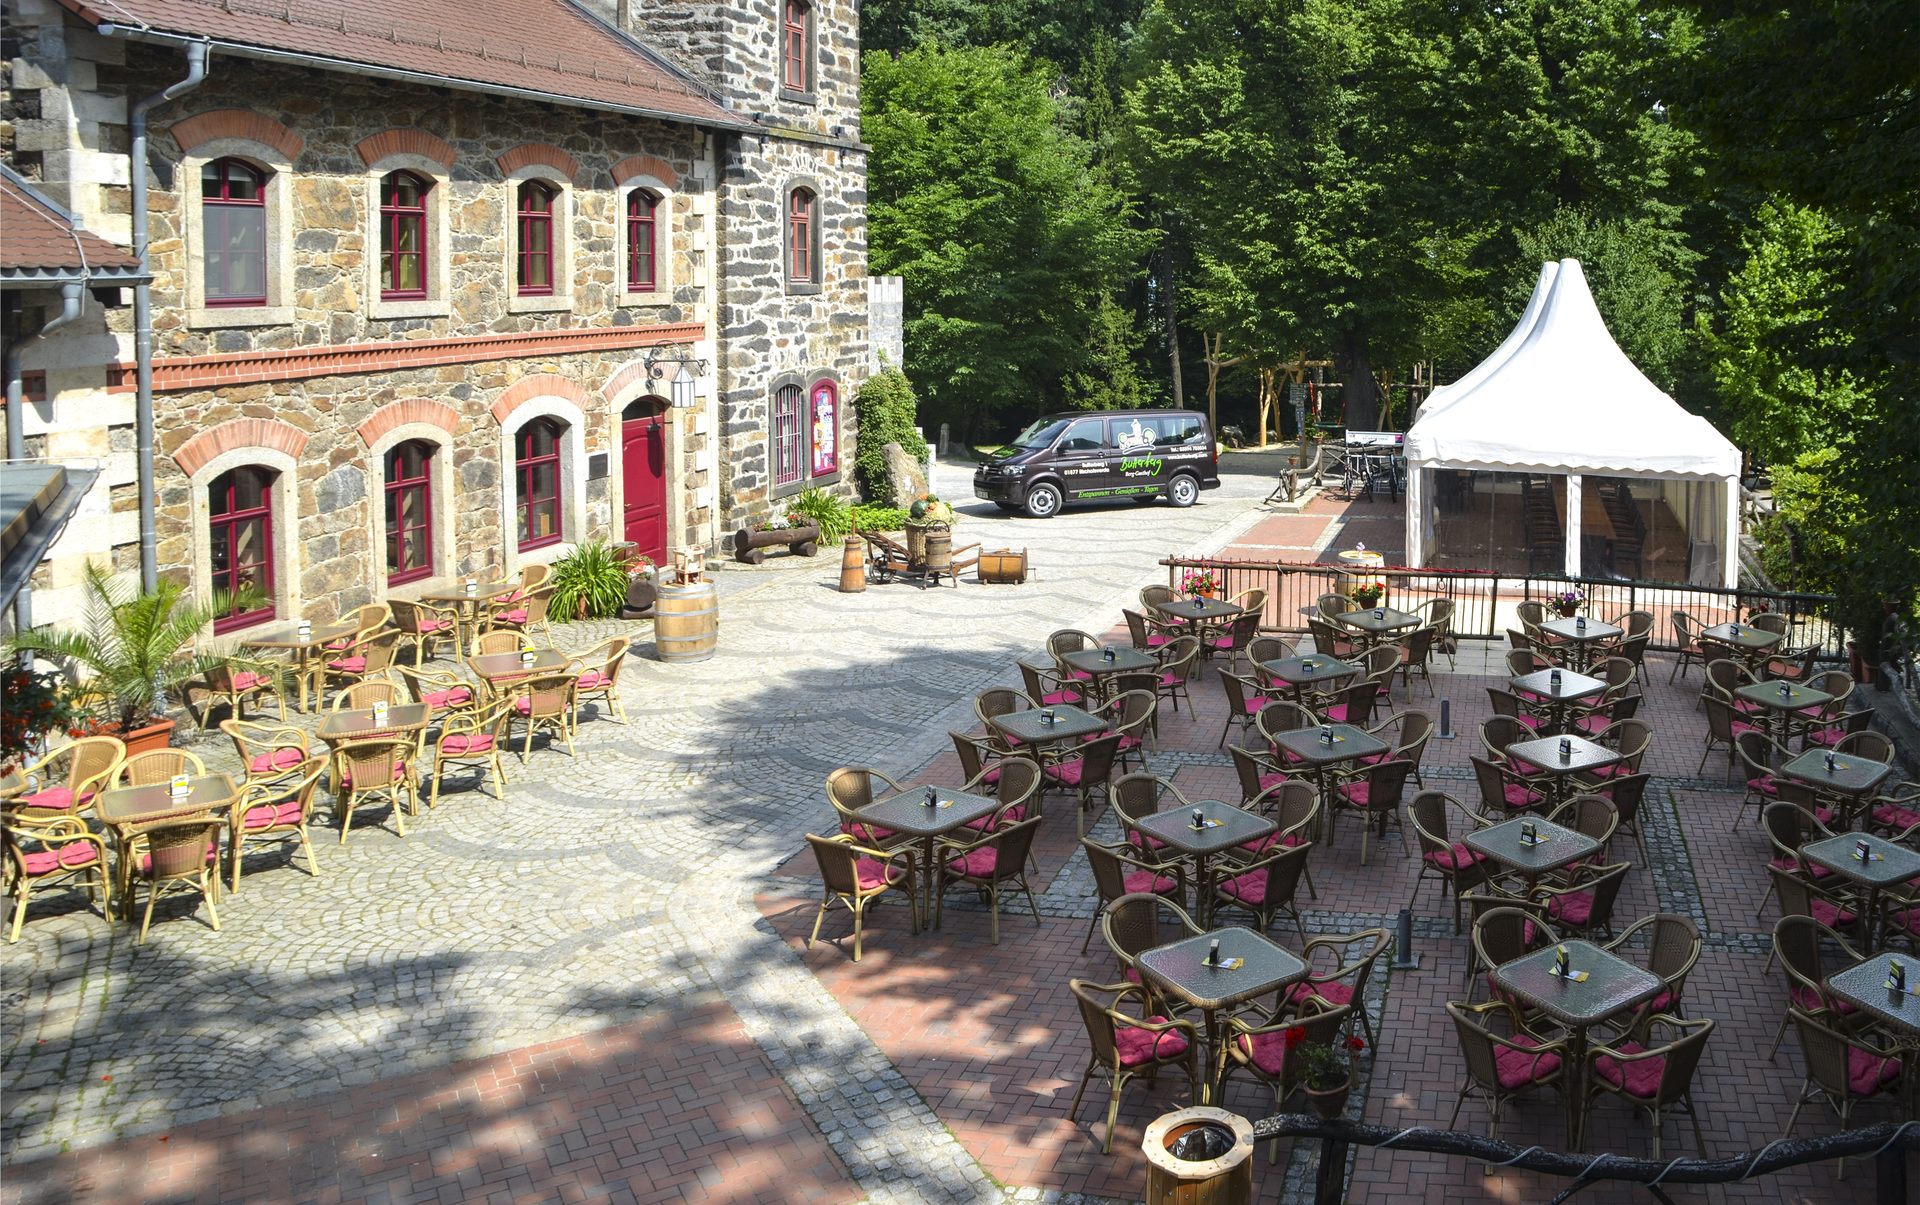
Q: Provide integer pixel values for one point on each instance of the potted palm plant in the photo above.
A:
(134, 651)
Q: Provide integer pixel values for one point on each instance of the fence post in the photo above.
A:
(1330, 1179)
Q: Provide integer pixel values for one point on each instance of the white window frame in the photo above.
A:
(573, 481)
(562, 296)
(435, 304)
(287, 568)
(279, 205)
(440, 490)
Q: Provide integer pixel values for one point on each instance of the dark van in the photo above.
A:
(1099, 455)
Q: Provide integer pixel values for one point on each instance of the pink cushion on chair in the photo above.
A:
(144, 865)
(976, 863)
(1171, 679)
(1764, 784)
(873, 873)
(1155, 640)
(1146, 840)
(53, 799)
(1640, 1078)
(248, 680)
(272, 815)
(1808, 1000)
(462, 743)
(1517, 795)
(1145, 882)
(1357, 793)
(1516, 1069)
(518, 615)
(871, 834)
(334, 646)
(1267, 1051)
(1825, 736)
(1060, 698)
(274, 762)
(455, 696)
(1138, 1046)
(1336, 714)
(1455, 857)
(1740, 726)
(1895, 816)
(1575, 908)
(399, 772)
(71, 856)
(1833, 916)
(1249, 888)
(1867, 1072)
(1067, 773)
(1332, 992)
(591, 679)
(349, 665)
(982, 824)
(1079, 675)
(435, 625)
(1662, 1002)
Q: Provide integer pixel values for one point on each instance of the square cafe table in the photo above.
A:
(1316, 756)
(467, 606)
(1559, 689)
(125, 809)
(1304, 673)
(1180, 969)
(1544, 756)
(303, 652)
(1851, 776)
(1029, 728)
(1557, 846)
(1887, 864)
(1226, 827)
(1612, 986)
(356, 723)
(1752, 643)
(907, 813)
(1580, 636)
(1377, 624)
(1100, 669)
(1864, 986)
(1780, 700)
(495, 668)
(1199, 609)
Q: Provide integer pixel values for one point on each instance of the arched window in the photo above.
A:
(789, 436)
(409, 476)
(233, 199)
(803, 265)
(536, 239)
(642, 246)
(403, 237)
(536, 471)
(796, 40)
(824, 403)
(240, 514)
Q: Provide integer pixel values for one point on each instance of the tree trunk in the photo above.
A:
(1173, 339)
(1362, 403)
(1266, 402)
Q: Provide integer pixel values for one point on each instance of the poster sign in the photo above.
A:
(826, 434)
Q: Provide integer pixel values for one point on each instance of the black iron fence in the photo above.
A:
(1484, 602)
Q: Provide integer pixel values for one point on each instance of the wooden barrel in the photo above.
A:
(686, 622)
(853, 565)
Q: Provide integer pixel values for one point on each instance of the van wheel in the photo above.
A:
(1043, 501)
(1183, 490)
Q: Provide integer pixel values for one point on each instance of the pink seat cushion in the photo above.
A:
(1079, 675)
(1146, 841)
(1171, 679)
(1764, 784)
(1266, 1051)
(1618, 769)
(1060, 698)
(1662, 1002)
(274, 762)
(1518, 795)
(1138, 1047)
(976, 863)
(1575, 908)
(869, 833)
(399, 772)
(458, 743)
(1221, 642)
(435, 625)
(70, 856)
(874, 874)
(518, 615)
(1868, 1073)
(1336, 714)
(984, 824)
(1639, 1078)
(1146, 882)
(1523, 766)
(1517, 1069)
(248, 680)
(1833, 916)
(1455, 857)
(334, 646)
(1333, 992)
(1895, 816)
(1270, 781)
(1592, 724)
(1249, 888)
(1825, 736)
(1256, 703)
(52, 799)
(455, 696)
(1808, 1000)
(1357, 793)
(1260, 845)
(1067, 773)
(1155, 640)
(272, 815)
(349, 665)
(1740, 726)
(590, 679)
(144, 865)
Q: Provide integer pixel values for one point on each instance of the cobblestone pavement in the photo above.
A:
(607, 888)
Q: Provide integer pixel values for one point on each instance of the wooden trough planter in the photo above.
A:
(749, 547)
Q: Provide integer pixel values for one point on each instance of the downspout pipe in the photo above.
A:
(73, 296)
(143, 311)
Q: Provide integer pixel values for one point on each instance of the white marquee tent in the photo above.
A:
(1559, 398)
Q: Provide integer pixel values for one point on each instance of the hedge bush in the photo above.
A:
(886, 409)
(874, 516)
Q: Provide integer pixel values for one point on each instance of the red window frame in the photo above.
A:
(226, 524)
(643, 248)
(529, 500)
(396, 218)
(789, 450)
(228, 202)
(402, 489)
(796, 20)
(535, 222)
(801, 261)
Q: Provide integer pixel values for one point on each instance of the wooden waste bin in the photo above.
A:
(1224, 1180)
(686, 621)
(853, 565)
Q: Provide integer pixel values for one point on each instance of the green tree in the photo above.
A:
(988, 207)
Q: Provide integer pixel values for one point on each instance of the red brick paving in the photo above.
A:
(678, 1107)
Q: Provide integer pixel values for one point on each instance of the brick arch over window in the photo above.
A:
(646, 165)
(203, 128)
(405, 141)
(540, 384)
(413, 410)
(539, 154)
(235, 434)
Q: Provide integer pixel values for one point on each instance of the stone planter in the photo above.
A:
(749, 546)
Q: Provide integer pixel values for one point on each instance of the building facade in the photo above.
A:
(434, 302)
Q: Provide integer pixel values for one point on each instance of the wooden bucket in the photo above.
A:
(686, 622)
(853, 565)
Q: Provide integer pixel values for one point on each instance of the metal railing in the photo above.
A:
(1484, 601)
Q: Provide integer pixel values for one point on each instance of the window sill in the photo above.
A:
(788, 491)
(797, 96)
(240, 315)
(540, 305)
(656, 297)
(803, 288)
(424, 307)
(825, 479)
(546, 554)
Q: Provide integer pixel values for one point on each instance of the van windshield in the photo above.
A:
(1040, 435)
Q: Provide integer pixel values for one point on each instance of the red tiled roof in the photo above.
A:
(546, 46)
(35, 237)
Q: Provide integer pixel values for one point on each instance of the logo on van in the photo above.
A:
(1132, 438)
(1134, 466)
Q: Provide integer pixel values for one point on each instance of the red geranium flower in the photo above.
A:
(1356, 1044)
(1296, 1034)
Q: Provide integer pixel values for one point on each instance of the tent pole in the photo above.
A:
(1572, 549)
(1730, 555)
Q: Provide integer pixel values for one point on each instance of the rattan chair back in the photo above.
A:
(1329, 640)
(367, 693)
(1269, 648)
(1283, 715)
(850, 788)
(1531, 613)
(158, 766)
(973, 755)
(1137, 922)
(1499, 732)
(1329, 607)
(1830, 1063)
(1070, 640)
(1634, 624)
(1018, 784)
(1589, 815)
(1870, 744)
(1616, 672)
(1769, 621)
(1253, 600)
(1359, 701)
(282, 746)
(488, 644)
(1502, 934)
(1294, 805)
(839, 862)
(1136, 796)
(1250, 767)
(180, 849)
(996, 701)
(1152, 598)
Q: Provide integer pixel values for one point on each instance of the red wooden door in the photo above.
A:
(643, 458)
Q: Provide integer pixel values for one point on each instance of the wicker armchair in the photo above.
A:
(179, 855)
(239, 679)
(379, 770)
(1127, 1046)
(1136, 923)
(1051, 688)
(1330, 607)
(1264, 888)
(443, 691)
(1282, 716)
(1152, 598)
(369, 656)
(364, 694)
(487, 644)
(1269, 648)
(1116, 872)
(1084, 774)
(471, 738)
(1438, 614)
(1503, 793)
(1070, 640)
(990, 863)
(1130, 715)
(1686, 635)
(1147, 633)
(364, 620)
(1136, 796)
(543, 701)
(1245, 698)
(1019, 785)
(1501, 934)
(1673, 947)
(425, 625)
(1234, 638)
(1258, 773)
(1353, 705)
(1502, 1066)
(1259, 1044)
(601, 680)
(1330, 641)
(269, 752)
(523, 614)
(1406, 735)
(849, 789)
(275, 810)
(1450, 862)
(1340, 972)
(1583, 904)
(856, 876)
(978, 760)
(1654, 1077)
(1842, 1069)
(1590, 816)
(157, 766)
(996, 701)
(1295, 808)
(1374, 793)
(83, 769)
(46, 850)
(1177, 661)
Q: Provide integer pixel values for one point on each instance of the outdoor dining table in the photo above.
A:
(495, 668)
(1200, 609)
(1554, 846)
(1558, 690)
(1546, 759)
(1750, 642)
(359, 724)
(467, 606)
(1864, 985)
(303, 651)
(124, 810)
(1778, 701)
(1612, 985)
(1304, 674)
(1377, 624)
(1222, 827)
(1316, 750)
(1887, 865)
(1103, 664)
(1181, 970)
(909, 814)
(1032, 727)
(1580, 637)
(1848, 776)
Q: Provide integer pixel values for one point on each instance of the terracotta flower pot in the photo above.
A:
(156, 735)
(1330, 1103)
(1567, 610)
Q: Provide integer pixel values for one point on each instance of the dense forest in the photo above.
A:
(1122, 203)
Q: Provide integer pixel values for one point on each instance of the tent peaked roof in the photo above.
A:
(1565, 399)
(1440, 397)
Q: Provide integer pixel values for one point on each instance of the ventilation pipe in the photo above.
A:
(143, 310)
(72, 298)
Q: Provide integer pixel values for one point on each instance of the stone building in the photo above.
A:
(433, 300)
